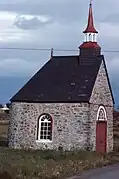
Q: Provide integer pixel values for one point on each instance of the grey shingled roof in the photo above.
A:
(62, 79)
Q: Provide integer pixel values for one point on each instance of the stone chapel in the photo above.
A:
(67, 104)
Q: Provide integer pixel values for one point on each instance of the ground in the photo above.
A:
(100, 173)
(3, 131)
(50, 164)
(17, 164)
(116, 135)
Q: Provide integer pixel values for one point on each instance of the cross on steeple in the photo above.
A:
(90, 1)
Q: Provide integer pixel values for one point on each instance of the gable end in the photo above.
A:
(102, 92)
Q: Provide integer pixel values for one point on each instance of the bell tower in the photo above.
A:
(90, 45)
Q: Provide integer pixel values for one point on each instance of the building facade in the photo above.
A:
(67, 104)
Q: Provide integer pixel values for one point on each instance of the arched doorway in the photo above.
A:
(101, 130)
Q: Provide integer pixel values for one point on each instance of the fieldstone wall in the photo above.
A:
(101, 95)
(101, 92)
(70, 125)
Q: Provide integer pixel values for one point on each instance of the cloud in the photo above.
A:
(31, 22)
(8, 33)
(60, 10)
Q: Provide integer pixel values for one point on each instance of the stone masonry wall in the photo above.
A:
(101, 96)
(70, 125)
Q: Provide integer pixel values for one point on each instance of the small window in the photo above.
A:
(101, 114)
(44, 130)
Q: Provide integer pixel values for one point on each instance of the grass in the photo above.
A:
(3, 129)
(116, 135)
(3, 132)
(21, 164)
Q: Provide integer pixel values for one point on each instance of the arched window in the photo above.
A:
(101, 114)
(44, 129)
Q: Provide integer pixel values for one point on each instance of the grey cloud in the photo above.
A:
(23, 23)
(33, 23)
(63, 11)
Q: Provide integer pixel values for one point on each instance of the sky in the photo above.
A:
(52, 23)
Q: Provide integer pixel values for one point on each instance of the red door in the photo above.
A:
(101, 136)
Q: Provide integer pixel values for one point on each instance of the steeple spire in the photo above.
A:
(90, 26)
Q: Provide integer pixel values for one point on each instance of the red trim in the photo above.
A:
(90, 27)
(89, 45)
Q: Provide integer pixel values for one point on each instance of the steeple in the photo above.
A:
(90, 26)
(90, 42)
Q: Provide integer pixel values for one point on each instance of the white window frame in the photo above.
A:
(39, 129)
(105, 114)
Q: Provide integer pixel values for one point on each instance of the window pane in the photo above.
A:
(41, 137)
(45, 128)
(41, 132)
(45, 137)
(42, 128)
(42, 124)
(45, 124)
(49, 124)
(49, 132)
(49, 128)
(45, 132)
(101, 114)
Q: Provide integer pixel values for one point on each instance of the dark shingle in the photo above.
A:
(62, 79)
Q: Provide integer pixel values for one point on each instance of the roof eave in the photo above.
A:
(30, 101)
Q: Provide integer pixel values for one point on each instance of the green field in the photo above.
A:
(21, 164)
(3, 132)
(49, 164)
(116, 136)
(3, 129)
